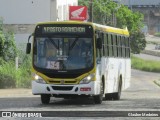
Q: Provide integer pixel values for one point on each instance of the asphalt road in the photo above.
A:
(143, 95)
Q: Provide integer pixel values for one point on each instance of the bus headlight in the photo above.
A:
(38, 79)
(87, 79)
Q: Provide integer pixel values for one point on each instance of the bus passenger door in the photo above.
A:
(98, 61)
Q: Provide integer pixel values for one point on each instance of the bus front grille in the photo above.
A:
(64, 82)
(67, 88)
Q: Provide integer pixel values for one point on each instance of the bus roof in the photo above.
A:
(111, 29)
(95, 26)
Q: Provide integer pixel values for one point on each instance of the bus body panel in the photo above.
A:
(82, 89)
(127, 74)
(112, 69)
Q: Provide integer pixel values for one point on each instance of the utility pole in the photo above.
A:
(91, 11)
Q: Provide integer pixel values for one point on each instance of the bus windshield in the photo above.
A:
(63, 53)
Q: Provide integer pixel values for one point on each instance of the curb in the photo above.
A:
(16, 92)
(157, 82)
(149, 52)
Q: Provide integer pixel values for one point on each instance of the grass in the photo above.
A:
(7, 75)
(157, 34)
(153, 42)
(157, 82)
(12, 78)
(145, 65)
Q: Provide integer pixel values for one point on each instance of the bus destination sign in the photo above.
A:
(64, 29)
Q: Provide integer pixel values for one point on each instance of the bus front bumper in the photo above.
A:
(78, 89)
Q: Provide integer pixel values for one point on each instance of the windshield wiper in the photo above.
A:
(52, 41)
(73, 44)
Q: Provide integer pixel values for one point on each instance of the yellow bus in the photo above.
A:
(79, 59)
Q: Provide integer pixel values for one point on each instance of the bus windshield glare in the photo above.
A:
(63, 53)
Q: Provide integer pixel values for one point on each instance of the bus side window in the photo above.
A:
(106, 47)
(119, 46)
(96, 36)
(128, 39)
(126, 47)
(123, 46)
(115, 45)
(99, 52)
(102, 51)
(113, 54)
(110, 45)
(112, 39)
(103, 45)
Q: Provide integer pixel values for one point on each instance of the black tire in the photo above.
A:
(98, 98)
(117, 95)
(109, 96)
(45, 98)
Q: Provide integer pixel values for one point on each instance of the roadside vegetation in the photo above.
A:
(157, 34)
(157, 82)
(145, 65)
(10, 76)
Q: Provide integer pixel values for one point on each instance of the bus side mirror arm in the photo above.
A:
(99, 43)
(28, 48)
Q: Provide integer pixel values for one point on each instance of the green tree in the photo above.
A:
(2, 38)
(102, 10)
(133, 21)
(138, 42)
(8, 50)
(126, 17)
(107, 12)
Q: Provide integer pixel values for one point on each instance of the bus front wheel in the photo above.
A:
(98, 98)
(45, 98)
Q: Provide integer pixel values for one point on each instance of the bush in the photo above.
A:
(6, 81)
(11, 78)
(8, 50)
(138, 42)
(157, 34)
(24, 72)
(7, 75)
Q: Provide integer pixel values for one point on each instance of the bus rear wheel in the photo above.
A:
(45, 98)
(108, 96)
(98, 98)
(117, 95)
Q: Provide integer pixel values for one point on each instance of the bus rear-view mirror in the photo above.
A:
(28, 48)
